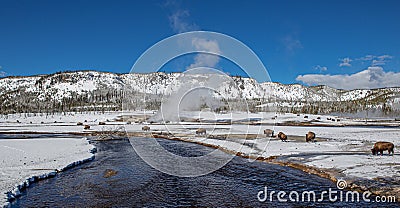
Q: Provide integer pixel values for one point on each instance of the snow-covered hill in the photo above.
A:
(66, 85)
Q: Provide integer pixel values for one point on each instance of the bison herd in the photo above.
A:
(377, 149)
(310, 136)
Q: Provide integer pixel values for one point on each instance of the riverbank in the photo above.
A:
(353, 183)
(28, 160)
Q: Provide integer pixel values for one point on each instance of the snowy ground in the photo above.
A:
(22, 159)
(340, 145)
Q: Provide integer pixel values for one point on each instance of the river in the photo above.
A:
(136, 184)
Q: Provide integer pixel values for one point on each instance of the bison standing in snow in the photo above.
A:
(310, 136)
(146, 128)
(379, 147)
(201, 131)
(282, 136)
(269, 132)
(86, 127)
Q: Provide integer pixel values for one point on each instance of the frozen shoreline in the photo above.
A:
(25, 161)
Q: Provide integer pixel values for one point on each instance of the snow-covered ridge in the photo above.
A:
(65, 85)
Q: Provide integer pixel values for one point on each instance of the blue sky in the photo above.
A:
(309, 42)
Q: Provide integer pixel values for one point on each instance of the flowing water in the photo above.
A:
(136, 184)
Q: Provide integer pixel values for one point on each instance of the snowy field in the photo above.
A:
(23, 159)
(342, 144)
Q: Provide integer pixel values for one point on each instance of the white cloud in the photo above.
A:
(366, 58)
(179, 22)
(381, 60)
(321, 68)
(2, 73)
(376, 60)
(345, 62)
(373, 77)
(291, 43)
(203, 59)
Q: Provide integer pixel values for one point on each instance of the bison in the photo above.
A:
(86, 127)
(79, 123)
(310, 136)
(146, 128)
(269, 132)
(201, 131)
(282, 136)
(379, 147)
(102, 123)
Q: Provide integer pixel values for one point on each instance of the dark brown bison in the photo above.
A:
(146, 128)
(86, 127)
(379, 147)
(79, 123)
(201, 131)
(310, 136)
(102, 123)
(269, 132)
(282, 136)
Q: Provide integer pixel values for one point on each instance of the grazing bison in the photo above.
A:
(79, 123)
(146, 128)
(102, 123)
(86, 127)
(282, 136)
(201, 131)
(379, 147)
(269, 132)
(310, 136)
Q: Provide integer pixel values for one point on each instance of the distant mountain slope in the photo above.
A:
(83, 87)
